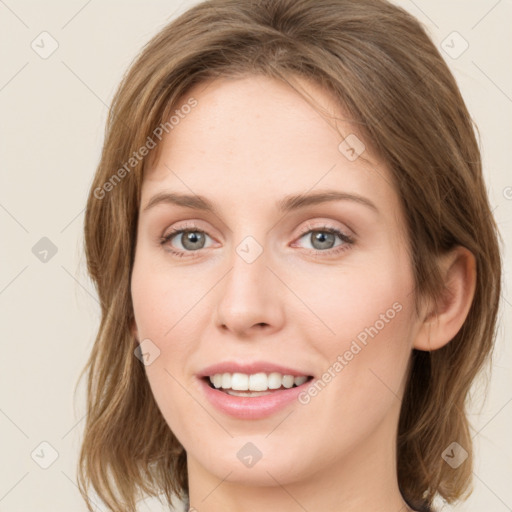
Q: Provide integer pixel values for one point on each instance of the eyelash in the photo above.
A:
(348, 240)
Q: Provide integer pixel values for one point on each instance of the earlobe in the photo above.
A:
(441, 325)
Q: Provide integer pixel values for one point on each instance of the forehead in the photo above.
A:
(256, 138)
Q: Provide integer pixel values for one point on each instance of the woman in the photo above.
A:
(298, 267)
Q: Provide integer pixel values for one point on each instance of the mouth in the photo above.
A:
(255, 384)
(252, 391)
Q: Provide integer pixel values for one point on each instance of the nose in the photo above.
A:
(250, 298)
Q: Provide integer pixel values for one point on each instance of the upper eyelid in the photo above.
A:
(309, 226)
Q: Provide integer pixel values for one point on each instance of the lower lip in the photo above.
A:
(251, 408)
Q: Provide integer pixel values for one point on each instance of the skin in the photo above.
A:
(247, 144)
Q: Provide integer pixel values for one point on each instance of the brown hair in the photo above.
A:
(391, 80)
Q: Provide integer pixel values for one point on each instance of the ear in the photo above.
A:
(439, 326)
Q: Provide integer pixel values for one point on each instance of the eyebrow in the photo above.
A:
(287, 204)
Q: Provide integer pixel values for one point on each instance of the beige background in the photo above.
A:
(53, 112)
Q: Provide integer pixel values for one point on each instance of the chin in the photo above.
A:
(254, 460)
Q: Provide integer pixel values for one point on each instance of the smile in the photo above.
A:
(256, 384)
(251, 391)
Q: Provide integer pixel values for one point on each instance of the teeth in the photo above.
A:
(239, 381)
(275, 380)
(217, 380)
(299, 380)
(226, 381)
(255, 381)
(288, 381)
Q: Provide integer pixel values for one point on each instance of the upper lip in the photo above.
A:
(249, 368)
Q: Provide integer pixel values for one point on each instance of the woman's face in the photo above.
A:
(263, 286)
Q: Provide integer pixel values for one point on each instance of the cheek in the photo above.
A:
(357, 302)
(163, 299)
(365, 374)
(360, 391)
(367, 326)
(183, 415)
(160, 306)
(169, 318)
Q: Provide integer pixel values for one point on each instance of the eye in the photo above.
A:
(323, 239)
(190, 238)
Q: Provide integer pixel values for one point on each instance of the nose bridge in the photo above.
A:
(248, 297)
(249, 255)
(249, 271)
